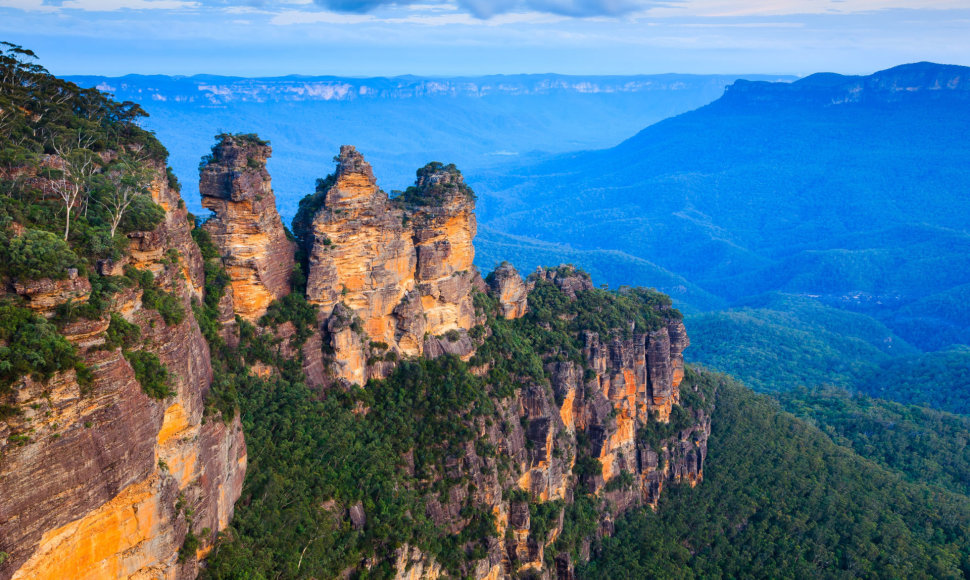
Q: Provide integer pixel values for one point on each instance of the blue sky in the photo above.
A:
(458, 37)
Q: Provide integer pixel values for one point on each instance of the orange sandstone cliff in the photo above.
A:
(108, 482)
(101, 480)
(395, 275)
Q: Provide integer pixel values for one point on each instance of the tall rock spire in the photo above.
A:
(245, 226)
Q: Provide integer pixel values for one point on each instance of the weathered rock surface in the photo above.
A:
(510, 290)
(402, 268)
(97, 482)
(245, 226)
(105, 481)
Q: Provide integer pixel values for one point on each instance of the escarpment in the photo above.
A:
(100, 477)
(601, 419)
(245, 226)
(408, 418)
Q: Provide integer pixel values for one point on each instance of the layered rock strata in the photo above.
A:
(623, 385)
(391, 275)
(102, 481)
(245, 225)
(134, 477)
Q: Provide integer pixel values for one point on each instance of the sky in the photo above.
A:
(364, 38)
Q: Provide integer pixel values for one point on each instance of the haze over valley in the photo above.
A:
(547, 290)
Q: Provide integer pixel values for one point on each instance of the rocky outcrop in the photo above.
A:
(401, 268)
(100, 480)
(608, 424)
(46, 294)
(245, 225)
(510, 291)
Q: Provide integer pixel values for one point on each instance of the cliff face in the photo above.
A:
(608, 429)
(402, 268)
(601, 419)
(245, 226)
(613, 407)
(101, 480)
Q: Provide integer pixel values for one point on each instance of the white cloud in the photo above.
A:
(742, 8)
(28, 5)
(246, 10)
(469, 20)
(288, 17)
(292, 17)
(114, 5)
(443, 7)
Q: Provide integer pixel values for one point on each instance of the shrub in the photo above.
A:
(167, 305)
(37, 254)
(121, 333)
(151, 374)
(143, 215)
(30, 345)
(189, 546)
(173, 181)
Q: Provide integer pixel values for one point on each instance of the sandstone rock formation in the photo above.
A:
(45, 295)
(133, 477)
(245, 226)
(102, 481)
(402, 267)
(396, 276)
(628, 383)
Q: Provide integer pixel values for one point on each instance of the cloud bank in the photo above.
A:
(488, 8)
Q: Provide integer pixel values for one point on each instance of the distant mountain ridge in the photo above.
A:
(850, 191)
(402, 122)
(922, 80)
(215, 89)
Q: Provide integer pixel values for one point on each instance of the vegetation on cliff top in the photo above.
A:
(30, 345)
(87, 150)
(437, 183)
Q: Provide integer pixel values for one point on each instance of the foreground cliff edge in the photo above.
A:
(404, 416)
(108, 467)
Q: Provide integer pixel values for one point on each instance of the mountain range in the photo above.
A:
(848, 192)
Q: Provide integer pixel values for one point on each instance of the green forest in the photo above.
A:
(98, 192)
(781, 499)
